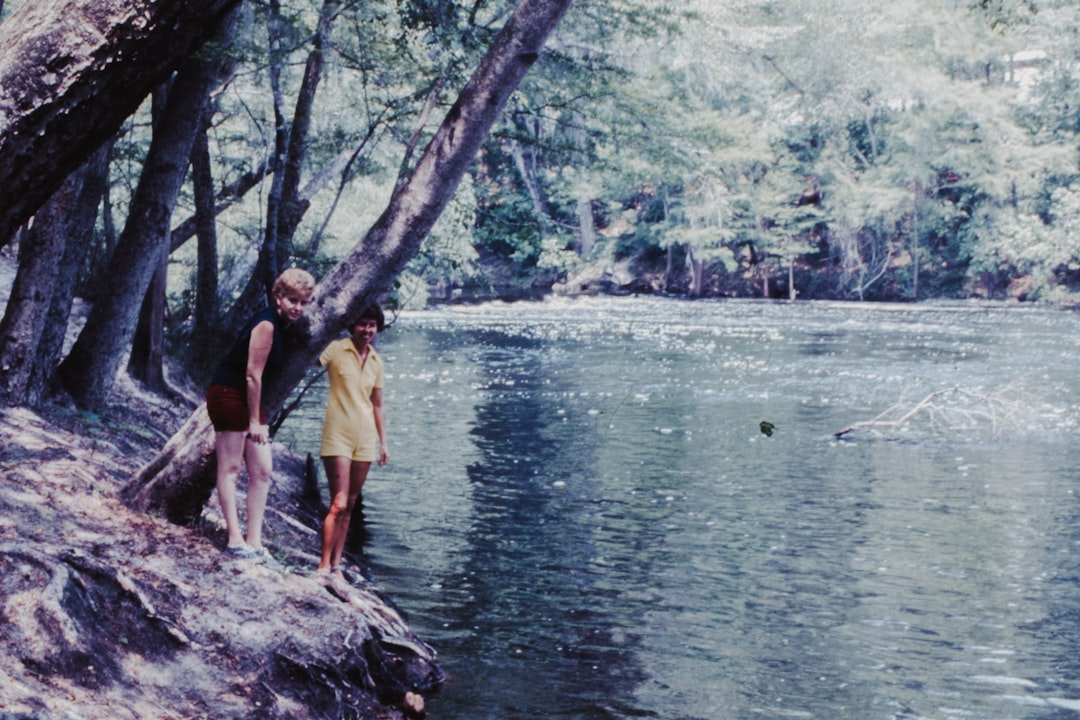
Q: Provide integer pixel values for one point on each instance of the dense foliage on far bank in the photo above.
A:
(810, 149)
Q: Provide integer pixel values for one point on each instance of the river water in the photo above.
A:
(586, 517)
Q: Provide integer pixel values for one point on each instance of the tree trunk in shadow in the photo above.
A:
(31, 295)
(102, 58)
(148, 346)
(89, 371)
(80, 234)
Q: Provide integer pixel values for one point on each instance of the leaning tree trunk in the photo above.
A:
(89, 371)
(179, 481)
(71, 73)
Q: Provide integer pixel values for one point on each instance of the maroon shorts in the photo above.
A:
(228, 409)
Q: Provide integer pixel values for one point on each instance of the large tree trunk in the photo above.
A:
(31, 294)
(204, 323)
(80, 234)
(146, 363)
(89, 371)
(71, 72)
(181, 479)
(148, 342)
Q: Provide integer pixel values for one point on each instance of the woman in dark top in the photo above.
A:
(234, 403)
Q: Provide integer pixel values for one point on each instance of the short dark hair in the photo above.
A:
(371, 312)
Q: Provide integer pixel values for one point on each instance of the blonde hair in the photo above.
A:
(294, 281)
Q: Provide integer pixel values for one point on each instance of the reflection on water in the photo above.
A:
(583, 516)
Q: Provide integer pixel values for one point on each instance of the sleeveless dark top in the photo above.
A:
(233, 369)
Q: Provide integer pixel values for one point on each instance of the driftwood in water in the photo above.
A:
(950, 408)
(881, 421)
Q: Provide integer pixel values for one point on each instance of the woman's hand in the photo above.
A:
(258, 434)
(259, 345)
(384, 456)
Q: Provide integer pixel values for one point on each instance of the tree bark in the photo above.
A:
(146, 363)
(148, 342)
(181, 478)
(71, 72)
(179, 481)
(586, 227)
(80, 233)
(200, 353)
(31, 295)
(89, 371)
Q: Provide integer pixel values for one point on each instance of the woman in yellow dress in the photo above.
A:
(354, 429)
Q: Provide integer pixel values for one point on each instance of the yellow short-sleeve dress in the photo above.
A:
(349, 426)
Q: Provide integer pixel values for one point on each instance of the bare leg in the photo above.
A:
(358, 472)
(346, 479)
(229, 448)
(260, 464)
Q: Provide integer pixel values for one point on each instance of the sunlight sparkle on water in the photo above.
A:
(720, 577)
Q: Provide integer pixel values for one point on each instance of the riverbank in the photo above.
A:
(107, 614)
(670, 275)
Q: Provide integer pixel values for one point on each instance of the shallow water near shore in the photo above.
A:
(585, 516)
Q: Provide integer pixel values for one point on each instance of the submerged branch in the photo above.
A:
(947, 409)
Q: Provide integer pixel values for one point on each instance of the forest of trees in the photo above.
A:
(805, 148)
(815, 149)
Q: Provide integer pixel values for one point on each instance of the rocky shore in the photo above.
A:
(107, 615)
